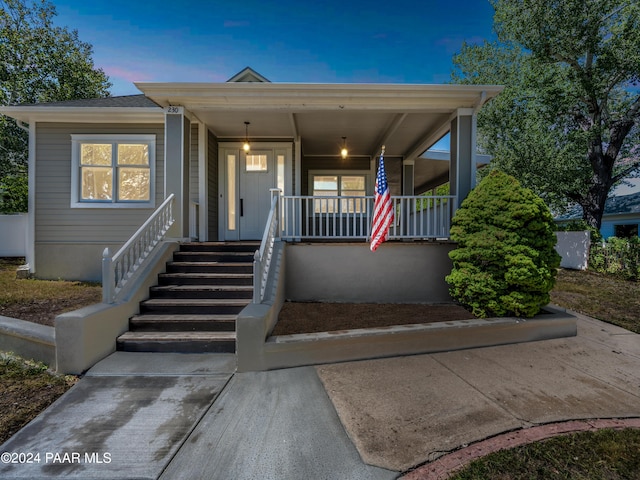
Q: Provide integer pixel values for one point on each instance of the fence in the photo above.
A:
(13, 235)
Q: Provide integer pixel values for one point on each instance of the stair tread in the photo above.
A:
(213, 264)
(197, 301)
(233, 288)
(174, 336)
(214, 252)
(207, 275)
(185, 318)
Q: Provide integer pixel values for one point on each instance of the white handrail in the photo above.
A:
(117, 270)
(262, 257)
(349, 217)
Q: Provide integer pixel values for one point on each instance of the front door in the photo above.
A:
(249, 177)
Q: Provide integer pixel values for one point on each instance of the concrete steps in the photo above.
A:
(194, 307)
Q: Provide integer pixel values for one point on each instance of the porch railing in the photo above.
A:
(117, 270)
(263, 256)
(345, 217)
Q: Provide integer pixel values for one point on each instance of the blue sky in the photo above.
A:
(326, 41)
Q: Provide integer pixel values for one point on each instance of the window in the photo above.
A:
(339, 186)
(626, 231)
(113, 171)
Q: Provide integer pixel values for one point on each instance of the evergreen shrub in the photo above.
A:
(505, 262)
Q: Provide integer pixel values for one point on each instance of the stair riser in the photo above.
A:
(200, 294)
(230, 281)
(211, 257)
(173, 268)
(181, 326)
(178, 347)
(190, 309)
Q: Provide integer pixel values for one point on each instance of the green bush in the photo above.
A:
(14, 194)
(505, 262)
(616, 256)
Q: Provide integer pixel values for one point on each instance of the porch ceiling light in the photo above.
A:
(245, 146)
(344, 152)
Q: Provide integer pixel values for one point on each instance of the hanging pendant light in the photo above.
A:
(245, 146)
(344, 152)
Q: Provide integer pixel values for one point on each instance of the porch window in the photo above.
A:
(333, 186)
(113, 171)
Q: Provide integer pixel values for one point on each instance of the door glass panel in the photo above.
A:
(231, 192)
(256, 163)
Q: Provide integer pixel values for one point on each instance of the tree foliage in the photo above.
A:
(39, 62)
(567, 123)
(505, 262)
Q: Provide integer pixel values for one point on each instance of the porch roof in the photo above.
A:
(407, 119)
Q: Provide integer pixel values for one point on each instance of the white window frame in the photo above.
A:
(77, 140)
(368, 187)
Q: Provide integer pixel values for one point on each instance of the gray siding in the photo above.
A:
(212, 176)
(56, 221)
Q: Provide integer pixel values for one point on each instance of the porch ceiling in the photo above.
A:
(407, 119)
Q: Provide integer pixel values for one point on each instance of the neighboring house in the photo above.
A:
(621, 216)
(98, 168)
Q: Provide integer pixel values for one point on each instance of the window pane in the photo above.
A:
(133, 184)
(133, 154)
(95, 154)
(327, 183)
(351, 183)
(96, 183)
(256, 163)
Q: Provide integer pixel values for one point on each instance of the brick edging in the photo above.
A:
(441, 468)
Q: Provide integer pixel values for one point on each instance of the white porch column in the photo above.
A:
(177, 131)
(462, 168)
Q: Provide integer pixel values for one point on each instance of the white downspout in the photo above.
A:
(31, 205)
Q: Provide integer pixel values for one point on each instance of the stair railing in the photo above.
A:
(262, 257)
(119, 269)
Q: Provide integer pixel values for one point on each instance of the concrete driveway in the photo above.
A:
(170, 416)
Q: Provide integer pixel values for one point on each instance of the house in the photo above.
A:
(621, 217)
(145, 175)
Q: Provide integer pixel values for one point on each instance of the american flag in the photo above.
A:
(383, 208)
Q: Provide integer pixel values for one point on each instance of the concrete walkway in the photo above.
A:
(170, 416)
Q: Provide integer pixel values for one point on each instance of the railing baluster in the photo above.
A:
(118, 269)
(350, 217)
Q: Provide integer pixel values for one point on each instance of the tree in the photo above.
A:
(567, 123)
(505, 261)
(39, 62)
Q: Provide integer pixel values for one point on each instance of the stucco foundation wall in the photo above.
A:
(399, 272)
(86, 336)
(71, 261)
